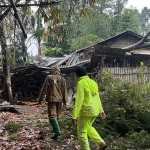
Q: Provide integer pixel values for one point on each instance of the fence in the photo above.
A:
(130, 73)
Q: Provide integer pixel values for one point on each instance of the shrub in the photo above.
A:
(127, 105)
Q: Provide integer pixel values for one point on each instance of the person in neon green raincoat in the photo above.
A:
(86, 108)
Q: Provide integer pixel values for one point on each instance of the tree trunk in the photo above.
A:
(24, 50)
(23, 39)
(18, 17)
(6, 67)
(39, 46)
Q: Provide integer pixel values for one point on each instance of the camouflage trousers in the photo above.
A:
(54, 110)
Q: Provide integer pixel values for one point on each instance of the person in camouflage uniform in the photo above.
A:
(55, 90)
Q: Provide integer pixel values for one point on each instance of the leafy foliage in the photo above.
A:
(53, 52)
(141, 138)
(130, 20)
(128, 109)
(18, 61)
(66, 123)
(74, 24)
(144, 19)
(85, 41)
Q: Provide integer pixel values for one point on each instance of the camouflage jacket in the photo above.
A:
(55, 89)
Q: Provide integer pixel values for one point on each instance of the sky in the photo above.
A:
(139, 4)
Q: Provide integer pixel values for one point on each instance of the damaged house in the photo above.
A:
(122, 49)
(27, 81)
(125, 48)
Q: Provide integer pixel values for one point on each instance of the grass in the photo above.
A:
(12, 128)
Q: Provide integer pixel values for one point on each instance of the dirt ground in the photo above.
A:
(31, 137)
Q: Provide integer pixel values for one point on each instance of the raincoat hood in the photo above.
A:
(90, 86)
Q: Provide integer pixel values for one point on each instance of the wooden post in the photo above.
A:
(101, 63)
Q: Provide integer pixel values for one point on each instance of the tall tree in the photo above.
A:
(7, 95)
(58, 20)
(118, 8)
(144, 19)
(130, 20)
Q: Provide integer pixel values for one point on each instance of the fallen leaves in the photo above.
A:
(31, 137)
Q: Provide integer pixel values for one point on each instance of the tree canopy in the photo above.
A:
(67, 25)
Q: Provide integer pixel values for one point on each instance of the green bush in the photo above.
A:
(68, 128)
(127, 105)
(141, 139)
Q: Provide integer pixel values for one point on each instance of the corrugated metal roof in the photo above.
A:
(46, 61)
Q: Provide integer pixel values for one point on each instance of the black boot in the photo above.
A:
(56, 128)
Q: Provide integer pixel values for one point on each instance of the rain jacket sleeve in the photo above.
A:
(43, 90)
(78, 101)
(98, 103)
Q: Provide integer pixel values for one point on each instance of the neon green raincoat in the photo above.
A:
(87, 101)
(87, 107)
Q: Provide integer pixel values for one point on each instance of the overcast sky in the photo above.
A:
(139, 4)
